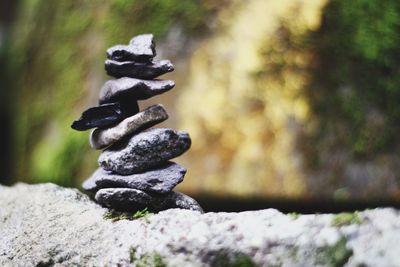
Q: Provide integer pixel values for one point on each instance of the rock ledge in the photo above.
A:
(47, 225)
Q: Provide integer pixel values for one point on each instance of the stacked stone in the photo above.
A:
(135, 171)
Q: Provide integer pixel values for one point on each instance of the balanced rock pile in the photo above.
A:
(135, 171)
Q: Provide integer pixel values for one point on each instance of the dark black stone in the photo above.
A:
(132, 88)
(140, 49)
(128, 199)
(123, 199)
(105, 115)
(140, 70)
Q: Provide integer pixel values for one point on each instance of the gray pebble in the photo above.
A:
(101, 138)
(161, 179)
(141, 49)
(145, 150)
(123, 198)
(133, 69)
(132, 88)
(127, 199)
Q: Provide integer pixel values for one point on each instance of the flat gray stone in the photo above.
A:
(145, 150)
(123, 198)
(101, 138)
(128, 199)
(131, 88)
(141, 48)
(160, 180)
(140, 70)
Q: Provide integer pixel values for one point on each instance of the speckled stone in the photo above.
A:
(161, 179)
(144, 151)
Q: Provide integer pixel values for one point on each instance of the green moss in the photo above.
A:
(356, 74)
(119, 215)
(224, 260)
(132, 254)
(146, 260)
(346, 218)
(336, 255)
(294, 215)
(153, 16)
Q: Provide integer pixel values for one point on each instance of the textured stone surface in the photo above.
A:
(144, 151)
(138, 89)
(141, 48)
(123, 198)
(176, 200)
(105, 115)
(101, 138)
(159, 180)
(46, 225)
(128, 199)
(133, 69)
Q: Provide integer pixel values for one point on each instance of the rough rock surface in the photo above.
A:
(141, 48)
(128, 199)
(145, 150)
(133, 88)
(105, 115)
(101, 138)
(148, 70)
(159, 180)
(47, 225)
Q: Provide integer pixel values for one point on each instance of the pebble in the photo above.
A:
(141, 49)
(105, 115)
(145, 150)
(161, 179)
(123, 198)
(132, 88)
(140, 70)
(101, 138)
(127, 199)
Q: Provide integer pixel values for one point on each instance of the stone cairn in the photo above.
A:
(135, 171)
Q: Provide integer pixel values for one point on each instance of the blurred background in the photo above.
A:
(292, 104)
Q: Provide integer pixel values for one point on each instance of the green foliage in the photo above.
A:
(119, 215)
(146, 260)
(346, 218)
(356, 82)
(133, 17)
(59, 163)
(336, 255)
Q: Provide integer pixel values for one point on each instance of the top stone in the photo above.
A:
(141, 48)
